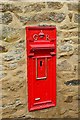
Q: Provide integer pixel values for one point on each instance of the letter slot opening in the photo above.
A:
(41, 68)
(41, 63)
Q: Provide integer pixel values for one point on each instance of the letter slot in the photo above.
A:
(41, 67)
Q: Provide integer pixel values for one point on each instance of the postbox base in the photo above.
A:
(40, 107)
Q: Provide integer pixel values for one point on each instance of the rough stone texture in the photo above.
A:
(69, 26)
(5, 32)
(13, 68)
(8, 57)
(66, 47)
(64, 66)
(6, 18)
(52, 16)
(55, 5)
(70, 34)
(34, 7)
(10, 7)
(57, 17)
(3, 49)
(77, 18)
(74, 6)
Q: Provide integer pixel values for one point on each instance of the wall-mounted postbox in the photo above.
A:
(41, 67)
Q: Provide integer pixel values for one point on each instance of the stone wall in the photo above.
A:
(13, 73)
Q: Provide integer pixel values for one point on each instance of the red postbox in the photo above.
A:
(41, 67)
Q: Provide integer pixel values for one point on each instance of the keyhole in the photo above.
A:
(40, 63)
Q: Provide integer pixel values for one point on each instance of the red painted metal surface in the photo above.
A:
(41, 67)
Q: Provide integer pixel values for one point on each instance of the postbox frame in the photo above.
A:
(48, 103)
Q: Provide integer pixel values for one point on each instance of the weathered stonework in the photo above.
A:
(6, 18)
(66, 47)
(69, 26)
(55, 5)
(3, 49)
(64, 66)
(57, 17)
(34, 7)
(13, 65)
(73, 6)
(70, 34)
(45, 17)
(10, 7)
(77, 18)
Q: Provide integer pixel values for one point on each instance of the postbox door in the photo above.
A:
(41, 70)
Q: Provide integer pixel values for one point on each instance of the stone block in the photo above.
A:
(69, 99)
(65, 47)
(10, 7)
(5, 18)
(70, 34)
(77, 18)
(8, 57)
(73, 7)
(74, 59)
(68, 26)
(34, 7)
(72, 40)
(64, 65)
(6, 31)
(2, 74)
(57, 17)
(11, 34)
(12, 66)
(55, 5)
(42, 17)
